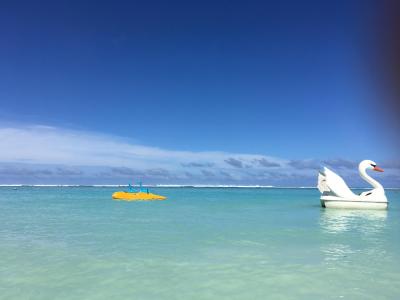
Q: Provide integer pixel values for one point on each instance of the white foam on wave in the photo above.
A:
(213, 186)
(179, 186)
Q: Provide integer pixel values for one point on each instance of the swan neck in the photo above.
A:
(369, 179)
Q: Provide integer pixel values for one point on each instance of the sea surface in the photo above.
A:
(201, 243)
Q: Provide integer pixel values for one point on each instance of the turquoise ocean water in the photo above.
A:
(204, 243)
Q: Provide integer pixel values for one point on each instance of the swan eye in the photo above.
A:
(373, 165)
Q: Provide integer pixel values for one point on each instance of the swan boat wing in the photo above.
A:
(331, 184)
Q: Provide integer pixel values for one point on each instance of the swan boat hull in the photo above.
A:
(337, 202)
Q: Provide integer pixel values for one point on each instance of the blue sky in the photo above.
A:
(244, 80)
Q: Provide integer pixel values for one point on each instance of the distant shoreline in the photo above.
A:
(196, 186)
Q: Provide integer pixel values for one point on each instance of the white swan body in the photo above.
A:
(336, 193)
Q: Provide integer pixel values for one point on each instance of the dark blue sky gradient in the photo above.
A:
(288, 80)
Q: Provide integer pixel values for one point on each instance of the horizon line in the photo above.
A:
(179, 186)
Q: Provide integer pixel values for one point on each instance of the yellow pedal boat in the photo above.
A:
(136, 196)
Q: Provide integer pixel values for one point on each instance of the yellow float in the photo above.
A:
(136, 196)
(129, 196)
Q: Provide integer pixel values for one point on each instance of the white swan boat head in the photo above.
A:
(336, 193)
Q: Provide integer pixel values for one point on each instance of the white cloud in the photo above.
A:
(45, 153)
(50, 145)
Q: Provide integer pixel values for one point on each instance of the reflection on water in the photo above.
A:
(342, 220)
(349, 230)
(337, 252)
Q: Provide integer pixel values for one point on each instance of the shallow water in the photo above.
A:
(205, 243)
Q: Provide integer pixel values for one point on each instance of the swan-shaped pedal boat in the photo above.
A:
(336, 193)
